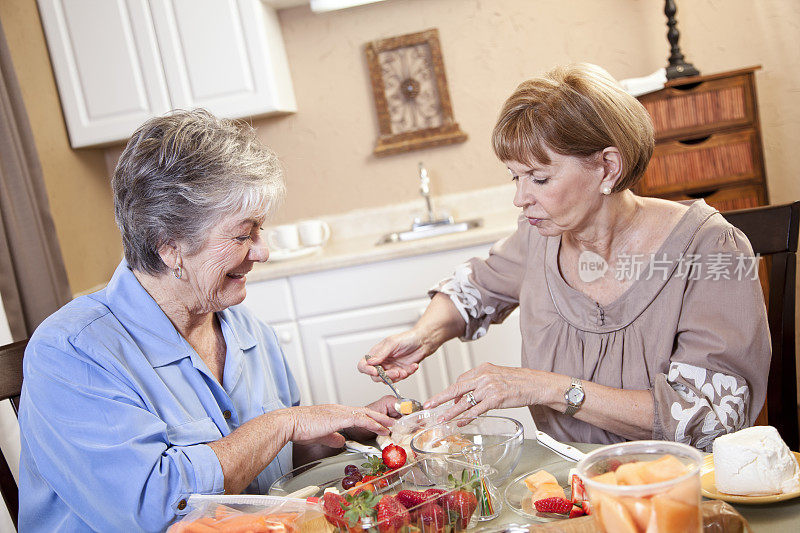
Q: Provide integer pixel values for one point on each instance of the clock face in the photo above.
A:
(410, 88)
(575, 396)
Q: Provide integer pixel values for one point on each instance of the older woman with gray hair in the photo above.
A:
(160, 386)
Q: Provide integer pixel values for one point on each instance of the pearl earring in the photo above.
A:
(606, 190)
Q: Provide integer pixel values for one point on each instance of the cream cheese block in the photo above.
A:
(755, 462)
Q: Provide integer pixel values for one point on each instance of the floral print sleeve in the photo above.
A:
(486, 291)
(702, 394)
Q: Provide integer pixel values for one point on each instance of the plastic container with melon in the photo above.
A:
(644, 487)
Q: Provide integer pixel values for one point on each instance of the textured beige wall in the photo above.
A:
(489, 46)
(76, 180)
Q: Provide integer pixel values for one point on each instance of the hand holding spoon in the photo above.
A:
(403, 405)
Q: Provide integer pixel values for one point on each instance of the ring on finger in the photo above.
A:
(355, 413)
(471, 398)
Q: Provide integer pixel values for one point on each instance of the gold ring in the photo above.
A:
(355, 413)
(471, 398)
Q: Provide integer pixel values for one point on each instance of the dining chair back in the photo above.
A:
(772, 231)
(10, 388)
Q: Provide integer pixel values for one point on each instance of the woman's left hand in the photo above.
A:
(488, 387)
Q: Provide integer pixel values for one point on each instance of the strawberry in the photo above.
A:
(394, 456)
(553, 505)
(460, 504)
(374, 466)
(433, 494)
(392, 515)
(411, 498)
(361, 507)
(430, 517)
(576, 511)
(587, 508)
(335, 507)
(578, 490)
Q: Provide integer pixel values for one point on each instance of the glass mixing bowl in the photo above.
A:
(499, 439)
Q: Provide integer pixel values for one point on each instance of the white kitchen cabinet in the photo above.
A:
(120, 62)
(341, 313)
(289, 339)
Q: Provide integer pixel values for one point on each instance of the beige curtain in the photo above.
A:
(33, 280)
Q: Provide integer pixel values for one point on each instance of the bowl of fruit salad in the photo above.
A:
(498, 440)
(644, 486)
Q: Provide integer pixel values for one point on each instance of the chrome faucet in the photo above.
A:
(425, 191)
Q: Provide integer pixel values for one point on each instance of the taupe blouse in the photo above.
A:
(692, 327)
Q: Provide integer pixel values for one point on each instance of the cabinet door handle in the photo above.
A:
(698, 140)
(285, 337)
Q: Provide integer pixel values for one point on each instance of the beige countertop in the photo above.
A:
(354, 235)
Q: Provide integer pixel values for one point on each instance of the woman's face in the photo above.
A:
(215, 274)
(559, 197)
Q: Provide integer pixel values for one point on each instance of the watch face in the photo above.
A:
(575, 396)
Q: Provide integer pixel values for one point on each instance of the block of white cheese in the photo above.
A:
(755, 462)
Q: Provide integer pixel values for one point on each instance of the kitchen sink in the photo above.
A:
(423, 231)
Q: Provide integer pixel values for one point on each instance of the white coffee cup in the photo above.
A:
(314, 232)
(284, 237)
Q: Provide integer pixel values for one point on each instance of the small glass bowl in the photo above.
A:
(674, 501)
(499, 437)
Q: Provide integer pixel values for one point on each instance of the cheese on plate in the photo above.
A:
(755, 462)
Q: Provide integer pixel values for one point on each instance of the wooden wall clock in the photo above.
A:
(411, 95)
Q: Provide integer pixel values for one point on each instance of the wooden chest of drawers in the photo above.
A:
(708, 141)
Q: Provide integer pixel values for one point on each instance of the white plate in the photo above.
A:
(284, 255)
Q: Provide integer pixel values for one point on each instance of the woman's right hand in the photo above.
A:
(398, 354)
(319, 424)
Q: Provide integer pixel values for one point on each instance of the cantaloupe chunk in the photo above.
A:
(629, 474)
(686, 492)
(609, 478)
(662, 469)
(640, 510)
(537, 478)
(674, 516)
(613, 515)
(548, 490)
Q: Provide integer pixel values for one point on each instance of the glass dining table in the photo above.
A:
(768, 518)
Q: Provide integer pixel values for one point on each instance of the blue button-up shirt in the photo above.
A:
(116, 406)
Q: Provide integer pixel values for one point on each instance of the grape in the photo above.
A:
(349, 482)
(351, 470)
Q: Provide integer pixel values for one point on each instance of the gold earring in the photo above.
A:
(606, 190)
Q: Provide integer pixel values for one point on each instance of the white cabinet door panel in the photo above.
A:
(289, 339)
(333, 345)
(107, 66)
(270, 300)
(217, 54)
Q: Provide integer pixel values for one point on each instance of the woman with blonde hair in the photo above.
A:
(640, 317)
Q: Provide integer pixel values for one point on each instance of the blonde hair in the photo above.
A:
(180, 174)
(575, 110)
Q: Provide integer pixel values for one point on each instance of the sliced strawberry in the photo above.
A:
(411, 498)
(553, 505)
(394, 456)
(586, 506)
(392, 515)
(335, 506)
(576, 511)
(578, 490)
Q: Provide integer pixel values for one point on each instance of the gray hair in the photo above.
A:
(180, 174)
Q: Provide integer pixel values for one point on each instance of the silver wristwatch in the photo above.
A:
(574, 396)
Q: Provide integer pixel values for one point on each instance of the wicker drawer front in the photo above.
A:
(702, 109)
(718, 160)
(729, 198)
